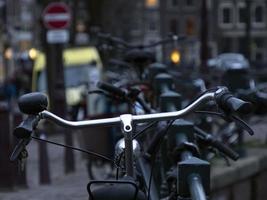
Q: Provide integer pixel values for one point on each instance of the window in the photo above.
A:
(258, 15)
(189, 3)
(152, 25)
(174, 2)
(241, 14)
(190, 26)
(226, 15)
(173, 26)
(258, 52)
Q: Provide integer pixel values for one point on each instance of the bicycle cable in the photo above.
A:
(118, 164)
(154, 158)
(144, 129)
(91, 153)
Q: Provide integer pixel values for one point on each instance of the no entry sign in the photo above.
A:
(56, 16)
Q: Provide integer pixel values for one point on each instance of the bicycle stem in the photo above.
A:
(127, 130)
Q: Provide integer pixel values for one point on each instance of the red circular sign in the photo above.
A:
(56, 16)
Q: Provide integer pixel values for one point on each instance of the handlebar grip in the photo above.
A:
(33, 103)
(225, 149)
(229, 103)
(111, 89)
(238, 105)
(25, 129)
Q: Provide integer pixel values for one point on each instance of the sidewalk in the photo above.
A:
(71, 186)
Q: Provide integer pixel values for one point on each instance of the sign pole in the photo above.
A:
(56, 18)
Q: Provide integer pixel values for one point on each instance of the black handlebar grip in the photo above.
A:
(33, 103)
(238, 105)
(111, 89)
(229, 103)
(25, 129)
(225, 149)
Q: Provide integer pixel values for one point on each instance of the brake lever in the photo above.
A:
(242, 124)
(231, 118)
(19, 148)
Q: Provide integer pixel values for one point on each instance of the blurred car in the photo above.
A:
(227, 61)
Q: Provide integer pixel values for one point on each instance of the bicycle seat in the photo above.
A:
(33, 103)
(114, 189)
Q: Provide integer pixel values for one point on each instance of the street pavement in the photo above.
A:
(63, 187)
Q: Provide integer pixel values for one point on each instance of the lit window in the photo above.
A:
(190, 26)
(151, 3)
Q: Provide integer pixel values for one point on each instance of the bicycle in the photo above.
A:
(127, 187)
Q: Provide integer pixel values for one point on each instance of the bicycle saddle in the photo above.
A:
(114, 189)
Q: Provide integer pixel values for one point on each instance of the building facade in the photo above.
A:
(233, 25)
(241, 26)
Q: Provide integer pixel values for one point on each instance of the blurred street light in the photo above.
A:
(175, 56)
(33, 53)
(151, 3)
(8, 53)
